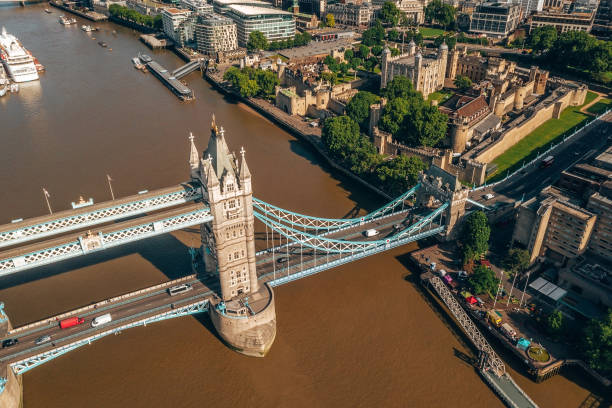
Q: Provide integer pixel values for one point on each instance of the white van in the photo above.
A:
(100, 320)
(370, 233)
(488, 196)
(178, 289)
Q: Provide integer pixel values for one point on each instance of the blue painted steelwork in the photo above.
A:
(25, 365)
(102, 241)
(331, 245)
(310, 222)
(476, 203)
(350, 258)
(81, 220)
(3, 381)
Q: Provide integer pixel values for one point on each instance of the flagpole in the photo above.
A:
(46, 194)
(110, 186)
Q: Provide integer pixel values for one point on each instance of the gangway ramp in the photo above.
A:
(188, 68)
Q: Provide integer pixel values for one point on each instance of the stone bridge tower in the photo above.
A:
(243, 311)
(438, 184)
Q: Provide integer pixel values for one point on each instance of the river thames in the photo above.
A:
(358, 335)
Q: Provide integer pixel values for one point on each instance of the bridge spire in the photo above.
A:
(194, 158)
(244, 169)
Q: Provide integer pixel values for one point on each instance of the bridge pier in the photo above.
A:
(247, 325)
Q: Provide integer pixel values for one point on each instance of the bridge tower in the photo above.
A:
(243, 311)
(438, 184)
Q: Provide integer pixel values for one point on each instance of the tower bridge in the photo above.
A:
(232, 281)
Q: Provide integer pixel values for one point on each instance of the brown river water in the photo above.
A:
(360, 335)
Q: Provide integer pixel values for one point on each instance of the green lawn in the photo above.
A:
(539, 140)
(600, 106)
(429, 32)
(439, 96)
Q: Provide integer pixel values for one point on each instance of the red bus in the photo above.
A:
(547, 162)
(71, 321)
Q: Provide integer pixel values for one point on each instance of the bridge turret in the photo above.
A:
(194, 159)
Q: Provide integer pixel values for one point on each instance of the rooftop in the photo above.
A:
(230, 2)
(176, 11)
(257, 11)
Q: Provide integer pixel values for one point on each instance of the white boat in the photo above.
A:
(86, 28)
(137, 63)
(48, 11)
(67, 20)
(17, 61)
(14, 88)
(3, 90)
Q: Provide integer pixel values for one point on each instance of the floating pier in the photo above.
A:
(177, 87)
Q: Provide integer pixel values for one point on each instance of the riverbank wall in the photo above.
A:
(130, 24)
(90, 15)
(310, 135)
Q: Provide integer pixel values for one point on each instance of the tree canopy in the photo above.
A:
(252, 82)
(390, 14)
(517, 260)
(581, 50)
(475, 237)
(125, 13)
(257, 41)
(374, 35)
(449, 39)
(483, 280)
(442, 13)
(399, 87)
(462, 82)
(330, 21)
(400, 173)
(542, 38)
(358, 108)
(596, 343)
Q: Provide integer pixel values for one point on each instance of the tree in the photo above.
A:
(393, 35)
(349, 55)
(330, 21)
(449, 39)
(475, 235)
(399, 174)
(267, 82)
(543, 38)
(370, 63)
(376, 50)
(358, 108)
(374, 35)
(423, 125)
(248, 87)
(344, 68)
(339, 135)
(517, 260)
(596, 345)
(555, 323)
(390, 14)
(462, 82)
(332, 63)
(483, 280)
(393, 115)
(330, 77)
(257, 41)
(356, 62)
(443, 14)
(364, 51)
(399, 87)
(395, 52)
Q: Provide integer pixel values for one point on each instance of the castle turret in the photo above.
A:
(384, 66)
(411, 48)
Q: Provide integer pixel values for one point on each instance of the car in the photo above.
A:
(282, 259)
(9, 342)
(462, 275)
(397, 227)
(42, 340)
(488, 196)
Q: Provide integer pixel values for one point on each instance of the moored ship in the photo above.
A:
(17, 61)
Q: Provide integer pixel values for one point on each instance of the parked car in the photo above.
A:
(9, 342)
(42, 340)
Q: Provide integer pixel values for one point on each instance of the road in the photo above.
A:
(532, 179)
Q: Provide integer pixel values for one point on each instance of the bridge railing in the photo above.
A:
(540, 155)
(93, 306)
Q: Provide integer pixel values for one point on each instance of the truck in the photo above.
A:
(494, 317)
(547, 161)
(71, 321)
(370, 233)
(508, 331)
(100, 320)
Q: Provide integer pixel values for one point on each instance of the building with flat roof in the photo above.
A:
(354, 14)
(562, 21)
(197, 6)
(275, 24)
(178, 25)
(414, 10)
(531, 6)
(215, 33)
(222, 6)
(316, 7)
(495, 19)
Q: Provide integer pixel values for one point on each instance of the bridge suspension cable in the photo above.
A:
(332, 245)
(316, 223)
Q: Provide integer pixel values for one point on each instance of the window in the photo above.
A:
(229, 257)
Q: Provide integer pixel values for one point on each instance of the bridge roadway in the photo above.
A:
(77, 244)
(151, 302)
(70, 220)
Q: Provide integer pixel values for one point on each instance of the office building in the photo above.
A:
(215, 33)
(178, 25)
(495, 19)
(354, 14)
(275, 24)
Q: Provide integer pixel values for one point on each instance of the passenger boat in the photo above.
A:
(145, 58)
(67, 20)
(48, 11)
(17, 61)
(86, 28)
(137, 63)
(102, 44)
(14, 88)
